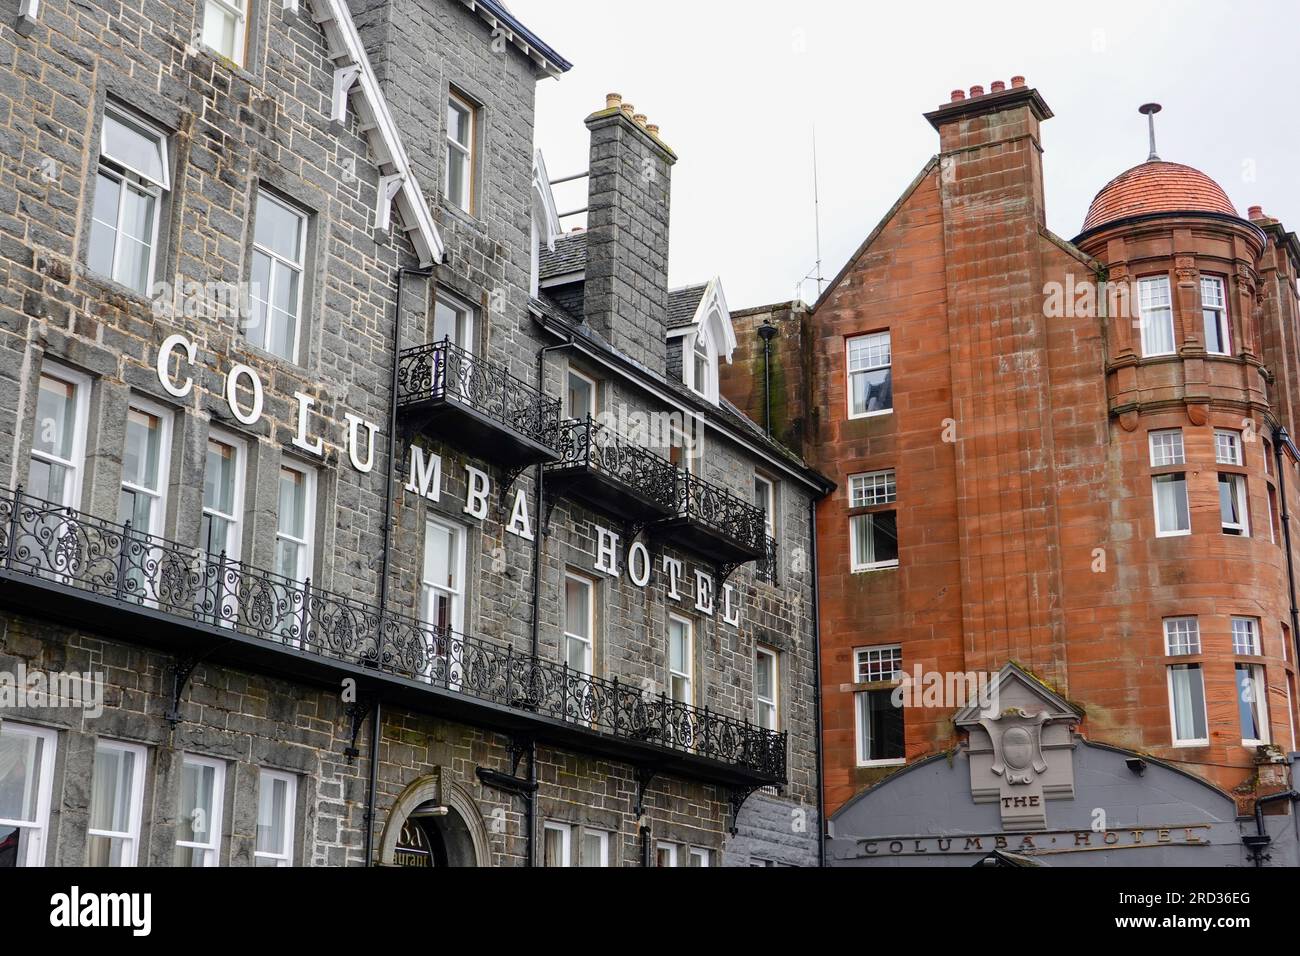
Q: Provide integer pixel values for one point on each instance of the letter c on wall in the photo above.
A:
(170, 344)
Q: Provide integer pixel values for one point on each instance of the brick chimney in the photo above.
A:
(990, 148)
(625, 298)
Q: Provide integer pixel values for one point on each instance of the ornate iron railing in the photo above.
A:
(705, 502)
(589, 444)
(44, 541)
(768, 567)
(443, 371)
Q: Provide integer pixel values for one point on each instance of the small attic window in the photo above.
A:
(703, 367)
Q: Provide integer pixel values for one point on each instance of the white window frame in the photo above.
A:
(1173, 712)
(1157, 310)
(873, 488)
(605, 841)
(566, 841)
(708, 389)
(306, 545)
(130, 836)
(37, 830)
(1259, 684)
(299, 266)
(1218, 305)
(589, 641)
(850, 371)
(670, 850)
(233, 545)
(770, 705)
(211, 851)
(285, 857)
(466, 154)
(1247, 641)
(699, 853)
(81, 386)
(1167, 448)
(1156, 482)
(1241, 496)
(1182, 636)
(687, 676)
(573, 836)
(1229, 441)
(865, 659)
(592, 406)
(466, 320)
(861, 567)
(863, 760)
(240, 12)
(158, 513)
(457, 594)
(769, 502)
(137, 180)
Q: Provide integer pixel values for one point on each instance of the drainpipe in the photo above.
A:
(539, 485)
(1261, 842)
(377, 718)
(1280, 438)
(817, 689)
(767, 332)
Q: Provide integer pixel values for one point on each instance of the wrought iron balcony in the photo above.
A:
(63, 565)
(715, 523)
(477, 405)
(768, 567)
(608, 472)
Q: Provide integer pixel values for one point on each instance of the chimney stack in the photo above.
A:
(625, 298)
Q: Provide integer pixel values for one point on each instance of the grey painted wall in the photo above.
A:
(932, 800)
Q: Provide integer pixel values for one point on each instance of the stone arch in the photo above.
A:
(458, 801)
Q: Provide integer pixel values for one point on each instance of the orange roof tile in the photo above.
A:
(1156, 187)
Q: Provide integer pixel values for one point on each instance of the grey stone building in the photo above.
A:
(351, 514)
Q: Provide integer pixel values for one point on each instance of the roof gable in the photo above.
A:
(355, 83)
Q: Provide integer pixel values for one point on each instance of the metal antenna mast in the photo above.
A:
(1150, 110)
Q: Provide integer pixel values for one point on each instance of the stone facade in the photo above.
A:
(232, 131)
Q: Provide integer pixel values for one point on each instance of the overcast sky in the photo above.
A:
(738, 86)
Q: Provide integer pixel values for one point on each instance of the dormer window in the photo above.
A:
(701, 367)
(701, 323)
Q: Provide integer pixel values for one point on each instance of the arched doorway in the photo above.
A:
(434, 824)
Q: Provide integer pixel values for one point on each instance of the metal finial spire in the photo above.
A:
(1149, 111)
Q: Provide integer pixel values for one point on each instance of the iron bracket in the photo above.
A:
(644, 777)
(357, 711)
(508, 478)
(181, 670)
(737, 797)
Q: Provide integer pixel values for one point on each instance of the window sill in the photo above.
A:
(256, 351)
(866, 415)
(1190, 744)
(112, 286)
(870, 764)
(1175, 534)
(466, 217)
(872, 569)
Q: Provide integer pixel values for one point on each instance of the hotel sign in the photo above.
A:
(1045, 843)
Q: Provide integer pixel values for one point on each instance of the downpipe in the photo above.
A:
(817, 689)
(377, 716)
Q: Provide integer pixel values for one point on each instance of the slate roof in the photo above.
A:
(682, 304)
(570, 255)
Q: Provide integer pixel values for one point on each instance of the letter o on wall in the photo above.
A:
(638, 564)
(232, 394)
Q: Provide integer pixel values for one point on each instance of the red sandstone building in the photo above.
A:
(1062, 455)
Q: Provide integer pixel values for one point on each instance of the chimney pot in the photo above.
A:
(958, 95)
(1257, 212)
(1017, 82)
(613, 101)
(628, 110)
(640, 120)
(976, 91)
(997, 86)
(652, 129)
